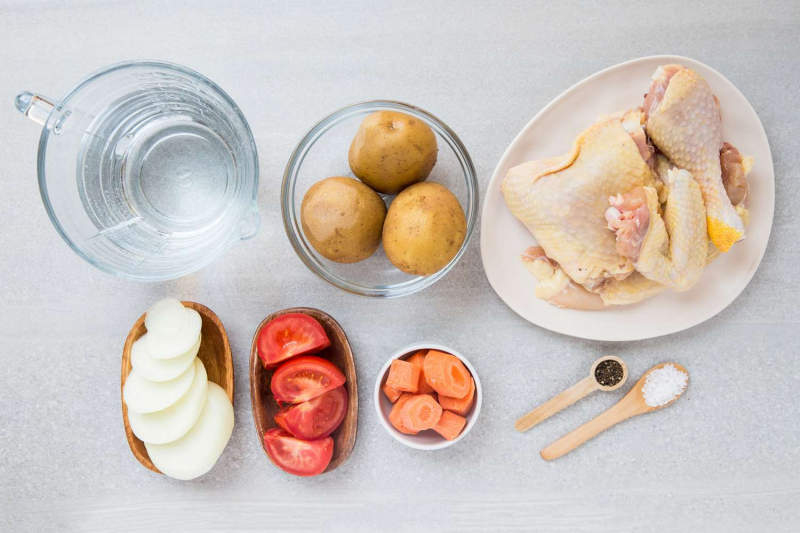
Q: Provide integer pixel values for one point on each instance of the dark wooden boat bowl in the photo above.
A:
(265, 407)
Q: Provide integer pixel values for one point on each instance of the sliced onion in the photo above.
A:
(197, 452)
(175, 421)
(160, 369)
(165, 317)
(177, 342)
(145, 396)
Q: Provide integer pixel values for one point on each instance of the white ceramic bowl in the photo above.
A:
(425, 440)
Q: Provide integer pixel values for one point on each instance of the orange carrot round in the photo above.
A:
(450, 425)
(418, 359)
(391, 393)
(403, 376)
(459, 406)
(447, 374)
(420, 412)
(395, 417)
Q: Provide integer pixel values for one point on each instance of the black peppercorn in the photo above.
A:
(608, 373)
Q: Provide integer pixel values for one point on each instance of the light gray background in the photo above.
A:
(724, 458)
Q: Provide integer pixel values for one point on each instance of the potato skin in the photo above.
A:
(392, 150)
(343, 219)
(424, 229)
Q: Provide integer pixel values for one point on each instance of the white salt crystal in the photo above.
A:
(664, 385)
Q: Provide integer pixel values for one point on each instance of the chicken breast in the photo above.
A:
(562, 200)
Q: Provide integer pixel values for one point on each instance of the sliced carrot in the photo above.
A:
(395, 417)
(419, 360)
(403, 376)
(446, 374)
(391, 393)
(459, 406)
(420, 412)
(450, 425)
(434, 396)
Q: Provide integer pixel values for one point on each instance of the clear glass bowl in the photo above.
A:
(323, 153)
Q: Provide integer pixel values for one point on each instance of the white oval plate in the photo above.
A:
(551, 132)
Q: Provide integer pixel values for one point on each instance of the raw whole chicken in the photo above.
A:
(616, 221)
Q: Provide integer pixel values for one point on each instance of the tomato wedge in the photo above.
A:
(317, 418)
(290, 335)
(295, 456)
(304, 378)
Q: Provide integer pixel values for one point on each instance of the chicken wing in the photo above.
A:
(670, 250)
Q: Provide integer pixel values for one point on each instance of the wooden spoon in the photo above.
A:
(631, 404)
(215, 352)
(265, 407)
(570, 396)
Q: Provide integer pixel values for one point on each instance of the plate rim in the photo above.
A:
(492, 191)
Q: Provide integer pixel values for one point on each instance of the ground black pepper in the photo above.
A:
(608, 373)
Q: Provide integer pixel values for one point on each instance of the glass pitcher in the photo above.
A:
(147, 169)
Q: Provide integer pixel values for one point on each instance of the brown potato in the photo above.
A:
(342, 219)
(392, 150)
(424, 229)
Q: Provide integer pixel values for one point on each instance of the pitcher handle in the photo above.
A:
(34, 106)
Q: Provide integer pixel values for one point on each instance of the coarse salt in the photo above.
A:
(664, 385)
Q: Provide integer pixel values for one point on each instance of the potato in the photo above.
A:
(343, 219)
(424, 229)
(392, 150)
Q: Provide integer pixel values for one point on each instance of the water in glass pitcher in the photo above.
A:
(153, 172)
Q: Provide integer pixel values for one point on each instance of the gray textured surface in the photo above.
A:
(727, 458)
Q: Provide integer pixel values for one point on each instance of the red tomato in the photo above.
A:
(290, 335)
(303, 378)
(316, 418)
(298, 457)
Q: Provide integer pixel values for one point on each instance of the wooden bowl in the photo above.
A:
(215, 352)
(265, 407)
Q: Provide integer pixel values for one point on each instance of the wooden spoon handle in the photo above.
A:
(575, 438)
(556, 404)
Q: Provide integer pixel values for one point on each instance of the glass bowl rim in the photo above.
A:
(42, 156)
(290, 220)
